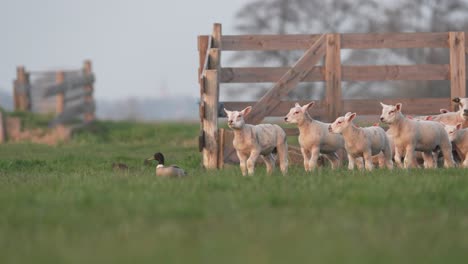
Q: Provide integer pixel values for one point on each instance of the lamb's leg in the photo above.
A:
(381, 159)
(446, 148)
(387, 155)
(428, 160)
(350, 162)
(409, 157)
(334, 160)
(283, 156)
(359, 163)
(368, 160)
(398, 157)
(243, 162)
(313, 158)
(251, 161)
(306, 157)
(465, 162)
(269, 162)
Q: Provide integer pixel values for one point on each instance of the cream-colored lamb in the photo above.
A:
(459, 137)
(363, 142)
(251, 141)
(416, 135)
(454, 118)
(314, 137)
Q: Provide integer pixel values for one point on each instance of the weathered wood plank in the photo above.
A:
(70, 84)
(210, 120)
(60, 96)
(457, 65)
(78, 96)
(394, 40)
(416, 106)
(88, 90)
(348, 41)
(72, 112)
(419, 72)
(202, 45)
(288, 82)
(333, 96)
(281, 110)
(221, 143)
(2, 128)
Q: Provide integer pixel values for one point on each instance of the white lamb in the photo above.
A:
(413, 135)
(453, 118)
(459, 137)
(314, 137)
(363, 142)
(251, 141)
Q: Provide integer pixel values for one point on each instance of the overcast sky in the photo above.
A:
(136, 46)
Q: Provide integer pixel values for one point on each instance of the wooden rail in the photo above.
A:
(332, 73)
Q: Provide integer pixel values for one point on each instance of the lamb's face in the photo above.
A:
(463, 107)
(452, 131)
(390, 113)
(341, 123)
(236, 118)
(295, 115)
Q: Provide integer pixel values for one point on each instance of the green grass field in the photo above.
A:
(64, 204)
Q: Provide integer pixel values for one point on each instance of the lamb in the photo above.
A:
(453, 118)
(363, 142)
(314, 137)
(251, 141)
(459, 137)
(412, 135)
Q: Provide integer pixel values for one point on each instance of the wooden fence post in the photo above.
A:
(202, 53)
(210, 102)
(21, 90)
(2, 128)
(87, 69)
(457, 65)
(333, 97)
(60, 98)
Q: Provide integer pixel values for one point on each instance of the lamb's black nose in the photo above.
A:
(381, 119)
(286, 119)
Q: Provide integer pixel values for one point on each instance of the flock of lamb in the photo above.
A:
(406, 139)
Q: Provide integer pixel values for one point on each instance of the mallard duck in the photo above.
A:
(168, 171)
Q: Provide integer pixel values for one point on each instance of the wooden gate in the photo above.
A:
(215, 145)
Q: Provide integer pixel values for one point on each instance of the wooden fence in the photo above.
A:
(317, 47)
(68, 94)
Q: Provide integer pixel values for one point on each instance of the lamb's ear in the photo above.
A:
(227, 111)
(443, 111)
(456, 100)
(398, 107)
(382, 104)
(247, 110)
(351, 116)
(459, 126)
(307, 106)
(347, 114)
(297, 105)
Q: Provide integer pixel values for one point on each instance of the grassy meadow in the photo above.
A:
(64, 204)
